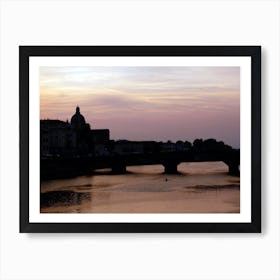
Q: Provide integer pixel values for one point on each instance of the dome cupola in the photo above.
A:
(78, 120)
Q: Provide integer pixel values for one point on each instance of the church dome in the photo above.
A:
(78, 120)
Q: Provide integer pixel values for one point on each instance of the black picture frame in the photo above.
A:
(254, 52)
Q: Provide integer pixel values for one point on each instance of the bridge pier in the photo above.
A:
(170, 167)
(233, 169)
(119, 168)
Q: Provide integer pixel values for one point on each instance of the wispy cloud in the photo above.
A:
(147, 102)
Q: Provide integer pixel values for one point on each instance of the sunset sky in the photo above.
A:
(147, 103)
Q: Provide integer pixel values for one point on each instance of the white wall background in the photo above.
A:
(139, 256)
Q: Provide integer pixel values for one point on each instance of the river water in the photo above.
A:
(203, 187)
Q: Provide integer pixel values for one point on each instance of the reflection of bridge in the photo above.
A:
(170, 160)
(68, 167)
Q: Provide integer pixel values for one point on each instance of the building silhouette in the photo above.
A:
(63, 139)
(73, 148)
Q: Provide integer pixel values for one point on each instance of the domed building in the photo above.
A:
(78, 120)
(59, 138)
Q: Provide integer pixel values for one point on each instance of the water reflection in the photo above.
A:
(66, 198)
(200, 187)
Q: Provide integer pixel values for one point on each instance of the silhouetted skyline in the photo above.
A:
(147, 103)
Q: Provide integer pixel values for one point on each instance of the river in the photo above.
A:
(202, 187)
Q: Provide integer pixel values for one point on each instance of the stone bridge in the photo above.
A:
(52, 168)
(170, 160)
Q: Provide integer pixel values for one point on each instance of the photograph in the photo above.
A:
(139, 139)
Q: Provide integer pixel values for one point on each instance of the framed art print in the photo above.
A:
(140, 138)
